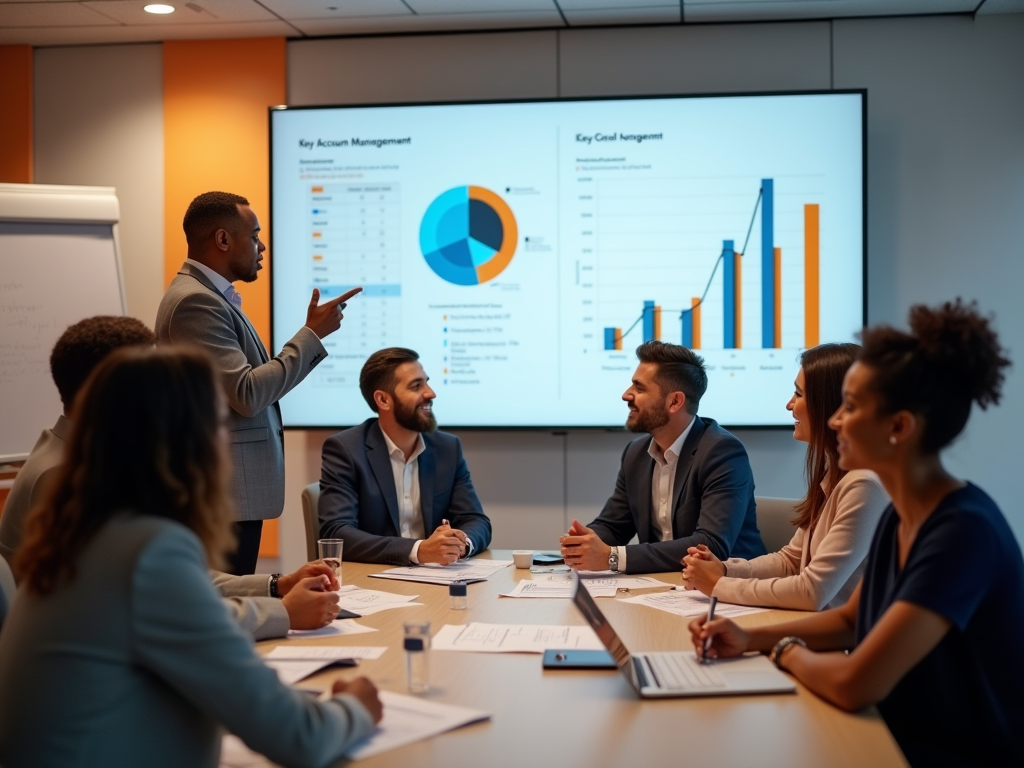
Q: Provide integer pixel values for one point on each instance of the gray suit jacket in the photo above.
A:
(30, 484)
(247, 597)
(713, 502)
(194, 312)
(152, 667)
(359, 503)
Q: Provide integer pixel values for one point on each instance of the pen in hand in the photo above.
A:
(707, 640)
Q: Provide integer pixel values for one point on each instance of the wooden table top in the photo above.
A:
(591, 717)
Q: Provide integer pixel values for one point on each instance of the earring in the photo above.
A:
(892, 439)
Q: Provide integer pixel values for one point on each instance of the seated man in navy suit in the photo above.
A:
(394, 488)
(687, 484)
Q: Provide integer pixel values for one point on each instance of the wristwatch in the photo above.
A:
(273, 584)
(613, 559)
(776, 655)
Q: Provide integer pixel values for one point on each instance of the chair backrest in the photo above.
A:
(775, 521)
(7, 589)
(311, 517)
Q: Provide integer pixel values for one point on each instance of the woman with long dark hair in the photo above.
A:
(118, 650)
(934, 629)
(834, 522)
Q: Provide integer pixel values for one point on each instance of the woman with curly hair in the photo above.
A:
(933, 631)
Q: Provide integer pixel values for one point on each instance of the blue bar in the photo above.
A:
(609, 338)
(648, 321)
(729, 293)
(688, 329)
(767, 263)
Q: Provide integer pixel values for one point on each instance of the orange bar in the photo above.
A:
(317, 189)
(739, 300)
(778, 298)
(317, 234)
(618, 339)
(16, 125)
(657, 322)
(318, 257)
(695, 308)
(812, 275)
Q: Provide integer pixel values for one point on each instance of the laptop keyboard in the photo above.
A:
(682, 672)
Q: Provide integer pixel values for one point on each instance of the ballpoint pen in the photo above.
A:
(707, 640)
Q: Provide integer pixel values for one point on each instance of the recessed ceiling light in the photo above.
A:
(158, 8)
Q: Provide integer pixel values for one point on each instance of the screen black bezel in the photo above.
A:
(862, 92)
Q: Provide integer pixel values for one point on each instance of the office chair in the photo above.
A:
(310, 516)
(774, 520)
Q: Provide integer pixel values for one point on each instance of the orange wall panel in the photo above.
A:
(216, 137)
(16, 125)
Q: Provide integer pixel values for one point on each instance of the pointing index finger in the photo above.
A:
(344, 297)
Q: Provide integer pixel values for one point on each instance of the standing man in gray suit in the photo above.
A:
(202, 307)
(689, 483)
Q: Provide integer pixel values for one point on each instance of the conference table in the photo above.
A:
(592, 718)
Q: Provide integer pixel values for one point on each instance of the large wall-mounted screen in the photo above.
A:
(525, 249)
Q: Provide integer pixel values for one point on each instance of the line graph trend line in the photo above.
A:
(714, 270)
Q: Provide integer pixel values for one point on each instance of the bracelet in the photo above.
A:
(273, 584)
(776, 655)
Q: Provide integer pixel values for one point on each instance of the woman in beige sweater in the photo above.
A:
(823, 563)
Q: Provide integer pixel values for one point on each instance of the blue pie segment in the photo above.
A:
(468, 235)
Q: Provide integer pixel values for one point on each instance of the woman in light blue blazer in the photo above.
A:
(119, 651)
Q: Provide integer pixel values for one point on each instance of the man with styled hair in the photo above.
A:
(394, 488)
(689, 483)
(202, 307)
(305, 601)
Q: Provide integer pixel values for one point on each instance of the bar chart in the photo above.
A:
(720, 293)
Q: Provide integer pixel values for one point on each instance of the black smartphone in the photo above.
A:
(343, 614)
(576, 659)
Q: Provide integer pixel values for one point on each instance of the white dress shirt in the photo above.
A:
(220, 283)
(407, 486)
(663, 483)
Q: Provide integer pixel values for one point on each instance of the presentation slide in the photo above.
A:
(526, 249)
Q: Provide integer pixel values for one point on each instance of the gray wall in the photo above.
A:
(945, 188)
(99, 121)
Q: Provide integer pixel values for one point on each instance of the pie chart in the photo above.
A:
(468, 235)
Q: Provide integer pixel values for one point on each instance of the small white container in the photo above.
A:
(523, 557)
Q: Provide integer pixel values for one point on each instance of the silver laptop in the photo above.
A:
(679, 673)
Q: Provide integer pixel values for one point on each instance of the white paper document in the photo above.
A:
(690, 603)
(408, 719)
(325, 652)
(514, 638)
(367, 602)
(290, 671)
(623, 582)
(336, 628)
(541, 586)
(463, 570)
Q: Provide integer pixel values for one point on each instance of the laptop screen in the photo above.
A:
(588, 607)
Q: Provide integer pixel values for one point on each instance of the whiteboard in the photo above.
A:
(59, 263)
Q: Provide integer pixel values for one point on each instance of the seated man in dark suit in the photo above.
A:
(395, 489)
(689, 484)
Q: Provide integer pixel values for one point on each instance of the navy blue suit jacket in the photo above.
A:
(712, 502)
(359, 503)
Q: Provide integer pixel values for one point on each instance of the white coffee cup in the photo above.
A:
(522, 557)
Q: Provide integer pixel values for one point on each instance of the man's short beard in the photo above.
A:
(649, 421)
(414, 418)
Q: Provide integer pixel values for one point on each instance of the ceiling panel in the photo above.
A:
(336, 9)
(770, 10)
(119, 33)
(192, 12)
(49, 15)
(620, 5)
(428, 23)
(658, 14)
(481, 6)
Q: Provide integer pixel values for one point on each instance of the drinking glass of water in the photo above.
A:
(330, 553)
